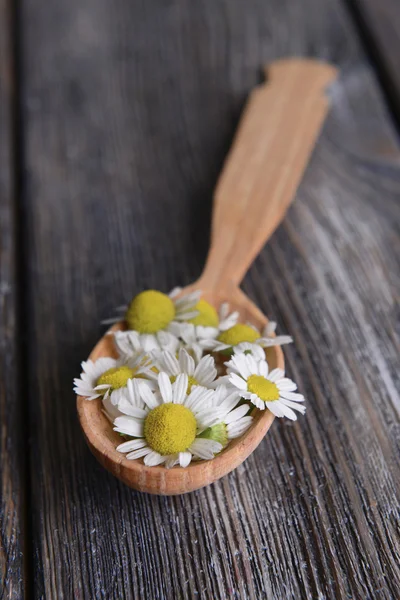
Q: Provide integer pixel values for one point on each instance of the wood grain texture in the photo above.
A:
(11, 422)
(278, 129)
(380, 22)
(129, 110)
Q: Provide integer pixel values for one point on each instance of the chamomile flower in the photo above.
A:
(200, 332)
(108, 377)
(233, 336)
(129, 342)
(208, 316)
(265, 389)
(203, 373)
(86, 384)
(190, 337)
(247, 348)
(152, 311)
(270, 339)
(240, 333)
(167, 424)
(235, 421)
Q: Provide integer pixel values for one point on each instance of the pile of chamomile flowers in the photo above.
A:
(187, 379)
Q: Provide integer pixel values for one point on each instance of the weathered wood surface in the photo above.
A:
(11, 416)
(380, 23)
(128, 110)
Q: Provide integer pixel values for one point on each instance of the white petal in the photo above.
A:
(223, 380)
(290, 414)
(208, 418)
(206, 333)
(187, 315)
(179, 388)
(193, 397)
(138, 453)
(253, 365)
(187, 333)
(205, 371)
(188, 300)
(117, 395)
(276, 408)
(237, 381)
(269, 329)
(199, 398)
(165, 386)
(101, 365)
(229, 322)
(129, 426)
(171, 460)
(230, 401)
(186, 362)
(301, 408)
(133, 411)
(185, 458)
(254, 349)
(153, 458)
(148, 342)
(86, 391)
(263, 368)
(238, 363)
(176, 329)
(236, 414)
(110, 411)
(197, 351)
(287, 384)
(205, 449)
(170, 363)
(237, 428)
(175, 292)
(280, 340)
(148, 397)
(275, 375)
(93, 397)
(291, 396)
(131, 445)
(134, 392)
(257, 402)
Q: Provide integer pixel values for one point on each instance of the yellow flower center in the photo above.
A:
(266, 390)
(237, 334)
(191, 381)
(150, 311)
(116, 377)
(170, 428)
(207, 317)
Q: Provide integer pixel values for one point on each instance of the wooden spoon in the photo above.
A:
(270, 152)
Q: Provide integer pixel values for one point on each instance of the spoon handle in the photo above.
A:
(264, 167)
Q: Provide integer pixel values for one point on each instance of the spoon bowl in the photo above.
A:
(102, 440)
(270, 152)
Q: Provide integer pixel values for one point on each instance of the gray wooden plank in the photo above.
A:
(380, 23)
(12, 424)
(129, 110)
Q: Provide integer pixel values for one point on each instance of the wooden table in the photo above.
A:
(115, 118)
